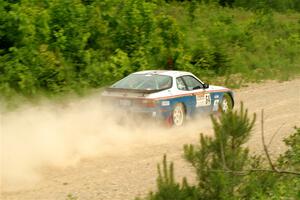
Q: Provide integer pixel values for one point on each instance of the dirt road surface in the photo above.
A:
(128, 169)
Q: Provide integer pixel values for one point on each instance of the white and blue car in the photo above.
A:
(171, 96)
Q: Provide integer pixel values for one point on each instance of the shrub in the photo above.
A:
(225, 170)
(54, 47)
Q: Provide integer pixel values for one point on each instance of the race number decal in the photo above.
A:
(203, 99)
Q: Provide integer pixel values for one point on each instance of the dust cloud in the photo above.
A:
(60, 134)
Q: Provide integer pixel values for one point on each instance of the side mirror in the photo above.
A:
(205, 85)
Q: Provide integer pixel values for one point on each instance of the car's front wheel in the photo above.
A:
(226, 103)
(178, 114)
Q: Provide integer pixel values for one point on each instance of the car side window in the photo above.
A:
(192, 83)
(180, 84)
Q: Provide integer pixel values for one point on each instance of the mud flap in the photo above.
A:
(169, 121)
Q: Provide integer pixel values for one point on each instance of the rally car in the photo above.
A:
(171, 96)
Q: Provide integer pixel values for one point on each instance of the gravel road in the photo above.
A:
(131, 169)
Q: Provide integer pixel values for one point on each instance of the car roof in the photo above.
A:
(164, 72)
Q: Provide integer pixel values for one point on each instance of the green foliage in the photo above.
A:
(289, 186)
(278, 5)
(53, 47)
(71, 197)
(223, 153)
(60, 46)
(168, 188)
(230, 42)
(291, 158)
(225, 170)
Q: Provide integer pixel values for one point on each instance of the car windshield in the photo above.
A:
(144, 82)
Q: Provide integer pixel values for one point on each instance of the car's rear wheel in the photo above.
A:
(178, 114)
(226, 103)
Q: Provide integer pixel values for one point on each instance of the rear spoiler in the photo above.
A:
(110, 89)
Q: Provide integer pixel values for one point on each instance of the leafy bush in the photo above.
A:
(53, 47)
(278, 5)
(291, 158)
(168, 188)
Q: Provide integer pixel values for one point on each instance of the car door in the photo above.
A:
(201, 96)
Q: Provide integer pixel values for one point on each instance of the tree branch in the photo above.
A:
(264, 143)
(273, 136)
(246, 172)
(223, 155)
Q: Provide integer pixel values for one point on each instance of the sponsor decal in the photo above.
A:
(165, 103)
(203, 99)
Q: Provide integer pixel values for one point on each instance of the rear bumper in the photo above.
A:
(135, 108)
(153, 113)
